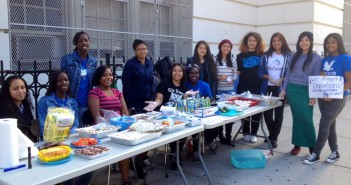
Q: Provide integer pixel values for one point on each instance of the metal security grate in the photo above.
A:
(42, 30)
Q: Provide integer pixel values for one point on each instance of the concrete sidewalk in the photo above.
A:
(281, 169)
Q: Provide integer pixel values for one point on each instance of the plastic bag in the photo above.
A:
(108, 114)
(57, 124)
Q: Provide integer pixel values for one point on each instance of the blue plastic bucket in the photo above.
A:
(249, 158)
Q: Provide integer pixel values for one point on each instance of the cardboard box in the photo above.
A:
(205, 112)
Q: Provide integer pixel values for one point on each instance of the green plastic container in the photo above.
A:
(250, 158)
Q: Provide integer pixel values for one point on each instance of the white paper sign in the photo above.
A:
(326, 87)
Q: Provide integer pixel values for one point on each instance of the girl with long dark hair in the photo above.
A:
(203, 58)
(16, 103)
(227, 73)
(272, 72)
(336, 63)
(303, 64)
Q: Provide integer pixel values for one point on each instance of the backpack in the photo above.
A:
(163, 68)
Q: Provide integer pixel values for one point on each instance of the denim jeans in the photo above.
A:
(327, 125)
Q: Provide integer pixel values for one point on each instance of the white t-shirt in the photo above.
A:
(275, 66)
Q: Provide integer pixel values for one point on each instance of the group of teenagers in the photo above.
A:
(85, 88)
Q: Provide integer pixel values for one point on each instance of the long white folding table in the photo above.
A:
(216, 121)
(43, 174)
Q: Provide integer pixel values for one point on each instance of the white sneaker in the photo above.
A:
(247, 138)
(253, 139)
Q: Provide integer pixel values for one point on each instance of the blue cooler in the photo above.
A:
(123, 121)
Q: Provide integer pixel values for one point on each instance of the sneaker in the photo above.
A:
(195, 158)
(247, 138)
(229, 141)
(213, 147)
(311, 159)
(295, 150)
(253, 139)
(173, 165)
(334, 156)
(146, 162)
(222, 139)
(274, 144)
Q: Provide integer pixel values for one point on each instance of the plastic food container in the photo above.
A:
(123, 122)
(249, 158)
(269, 102)
(253, 101)
(205, 112)
(230, 105)
(97, 131)
(174, 128)
(90, 157)
(133, 137)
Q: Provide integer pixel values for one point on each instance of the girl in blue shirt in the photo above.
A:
(57, 95)
(193, 83)
(336, 63)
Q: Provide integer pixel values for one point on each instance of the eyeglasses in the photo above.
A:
(141, 49)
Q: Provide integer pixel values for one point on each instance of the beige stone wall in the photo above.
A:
(232, 19)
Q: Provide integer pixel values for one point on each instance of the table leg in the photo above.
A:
(237, 133)
(178, 163)
(202, 162)
(202, 140)
(108, 175)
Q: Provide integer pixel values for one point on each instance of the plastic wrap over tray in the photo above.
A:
(93, 156)
(133, 137)
(92, 152)
(94, 133)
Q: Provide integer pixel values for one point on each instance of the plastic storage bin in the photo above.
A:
(249, 158)
(124, 122)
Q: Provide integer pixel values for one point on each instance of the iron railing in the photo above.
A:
(38, 79)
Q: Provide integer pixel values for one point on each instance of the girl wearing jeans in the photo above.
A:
(336, 63)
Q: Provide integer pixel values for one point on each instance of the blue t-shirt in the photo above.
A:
(337, 66)
(84, 84)
(203, 87)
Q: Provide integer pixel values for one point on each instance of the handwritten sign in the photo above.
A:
(326, 87)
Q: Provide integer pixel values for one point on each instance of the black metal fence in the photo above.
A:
(37, 77)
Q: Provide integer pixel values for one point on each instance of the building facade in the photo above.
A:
(232, 19)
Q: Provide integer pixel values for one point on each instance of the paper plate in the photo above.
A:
(59, 161)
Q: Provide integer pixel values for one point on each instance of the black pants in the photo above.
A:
(173, 146)
(228, 130)
(274, 117)
(251, 128)
(209, 134)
